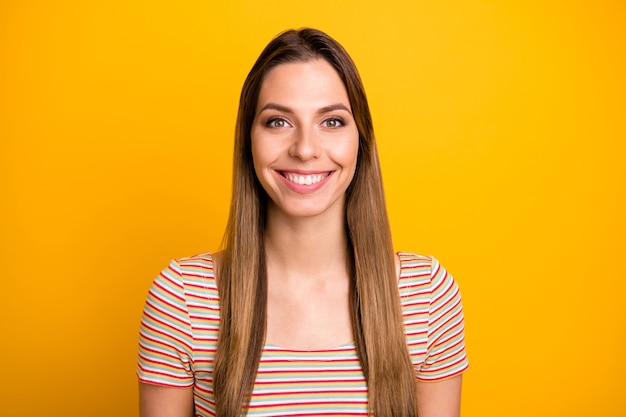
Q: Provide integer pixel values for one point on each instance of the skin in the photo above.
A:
(439, 399)
(304, 128)
(159, 401)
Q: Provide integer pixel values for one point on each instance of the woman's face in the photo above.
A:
(304, 139)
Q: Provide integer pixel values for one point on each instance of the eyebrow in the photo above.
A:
(325, 109)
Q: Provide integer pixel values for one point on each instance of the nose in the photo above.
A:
(305, 144)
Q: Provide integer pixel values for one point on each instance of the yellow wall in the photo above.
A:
(502, 134)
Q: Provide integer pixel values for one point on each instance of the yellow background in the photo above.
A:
(502, 133)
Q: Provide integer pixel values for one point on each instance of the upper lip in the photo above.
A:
(303, 172)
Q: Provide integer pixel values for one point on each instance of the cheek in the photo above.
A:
(262, 158)
(258, 156)
(264, 148)
(350, 151)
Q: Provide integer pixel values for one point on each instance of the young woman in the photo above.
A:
(307, 311)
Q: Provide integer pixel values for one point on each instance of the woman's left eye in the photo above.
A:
(333, 123)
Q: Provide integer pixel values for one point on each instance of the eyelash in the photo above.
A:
(338, 120)
(273, 120)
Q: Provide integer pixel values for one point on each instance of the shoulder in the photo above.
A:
(413, 269)
(412, 265)
(188, 275)
(197, 265)
(197, 274)
(414, 278)
(420, 273)
(200, 265)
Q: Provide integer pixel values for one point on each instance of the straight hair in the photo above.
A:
(242, 276)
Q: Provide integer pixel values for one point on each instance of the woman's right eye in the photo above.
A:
(277, 122)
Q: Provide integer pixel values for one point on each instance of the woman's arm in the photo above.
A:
(160, 401)
(439, 399)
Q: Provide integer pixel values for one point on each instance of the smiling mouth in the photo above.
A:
(305, 179)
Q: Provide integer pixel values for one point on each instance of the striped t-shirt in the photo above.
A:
(180, 322)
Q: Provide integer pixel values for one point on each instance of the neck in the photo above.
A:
(307, 246)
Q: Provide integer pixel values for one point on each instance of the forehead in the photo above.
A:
(313, 82)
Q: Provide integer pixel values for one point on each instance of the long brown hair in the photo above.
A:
(242, 276)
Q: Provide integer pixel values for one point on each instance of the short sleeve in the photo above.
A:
(445, 356)
(165, 336)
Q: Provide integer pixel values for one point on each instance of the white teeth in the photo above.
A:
(304, 179)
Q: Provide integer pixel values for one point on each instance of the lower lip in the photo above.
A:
(303, 188)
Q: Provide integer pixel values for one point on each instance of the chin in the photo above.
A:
(307, 210)
(304, 212)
